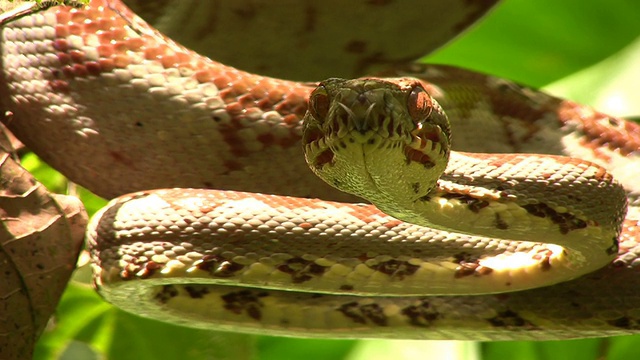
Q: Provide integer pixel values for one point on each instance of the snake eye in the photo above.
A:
(319, 103)
(419, 104)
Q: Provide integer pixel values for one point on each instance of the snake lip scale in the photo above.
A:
(97, 88)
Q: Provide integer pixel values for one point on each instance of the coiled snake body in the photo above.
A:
(97, 90)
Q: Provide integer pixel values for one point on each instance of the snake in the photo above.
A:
(497, 211)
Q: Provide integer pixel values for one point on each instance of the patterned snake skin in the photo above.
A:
(118, 108)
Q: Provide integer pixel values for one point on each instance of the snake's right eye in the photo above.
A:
(419, 104)
(319, 103)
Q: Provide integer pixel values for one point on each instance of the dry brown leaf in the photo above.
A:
(40, 238)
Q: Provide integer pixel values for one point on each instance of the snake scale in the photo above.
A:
(119, 108)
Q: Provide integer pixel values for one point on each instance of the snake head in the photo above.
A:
(360, 134)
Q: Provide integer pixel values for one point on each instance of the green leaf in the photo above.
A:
(538, 42)
(87, 325)
(611, 85)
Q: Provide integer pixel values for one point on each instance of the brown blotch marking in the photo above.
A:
(362, 314)
(350, 310)
(127, 273)
(477, 205)
(625, 322)
(61, 45)
(67, 71)
(510, 319)
(346, 287)
(167, 292)
(468, 269)
(596, 134)
(614, 121)
(306, 225)
(196, 292)
(301, 270)
(421, 314)
(511, 100)
(219, 266)
(469, 266)
(80, 70)
(565, 221)
(374, 313)
(269, 139)
(465, 257)
(544, 258)
(239, 102)
(60, 86)
(323, 158)
(499, 223)
(474, 204)
(419, 157)
(149, 268)
(63, 59)
(415, 187)
(77, 56)
(392, 223)
(230, 135)
(245, 301)
(130, 270)
(93, 68)
(395, 269)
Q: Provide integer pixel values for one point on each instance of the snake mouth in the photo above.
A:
(322, 149)
(317, 151)
(427, 146)
(424, 146)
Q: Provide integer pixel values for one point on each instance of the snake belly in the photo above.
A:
(144, 108)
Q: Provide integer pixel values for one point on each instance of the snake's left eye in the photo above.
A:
(419, 104)
(319, 103)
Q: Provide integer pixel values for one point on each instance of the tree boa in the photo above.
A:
(119, 108)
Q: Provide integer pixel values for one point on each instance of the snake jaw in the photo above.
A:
(429, 144)
(314, 144)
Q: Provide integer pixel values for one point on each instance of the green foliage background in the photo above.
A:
(587, 51)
